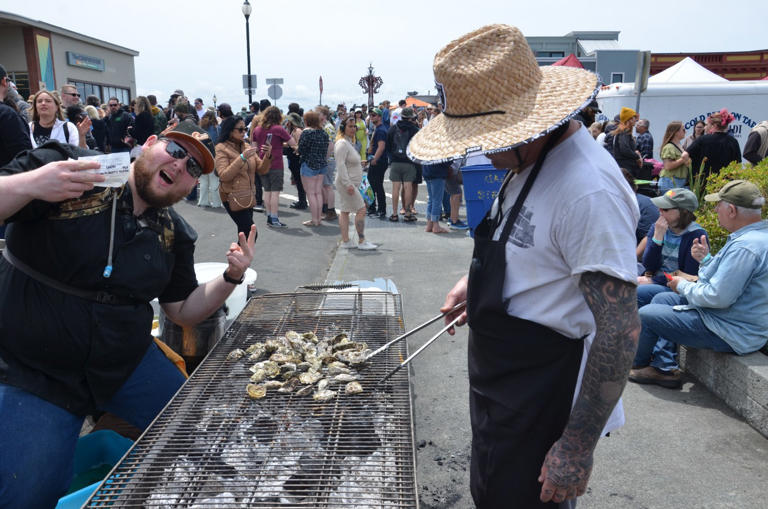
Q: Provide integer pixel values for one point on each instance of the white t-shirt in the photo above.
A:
(395, 118)
(580, 216)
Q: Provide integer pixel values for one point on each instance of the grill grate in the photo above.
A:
(214, 447)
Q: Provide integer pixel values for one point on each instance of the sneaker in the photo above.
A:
(350, 244)
(366, 246)
(298, 205)
(276, 223)
(383, 216)
(259, 208)
(372, 212)
(458, 225)
(650, 375)
(331, 215)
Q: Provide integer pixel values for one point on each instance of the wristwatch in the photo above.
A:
(233, 281)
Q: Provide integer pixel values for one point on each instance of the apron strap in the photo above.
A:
(518, 205)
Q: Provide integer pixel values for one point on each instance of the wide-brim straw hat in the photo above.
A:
(496, 97)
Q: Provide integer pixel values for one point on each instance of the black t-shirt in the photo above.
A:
(41, 134)
(720, 149)
(71, 351)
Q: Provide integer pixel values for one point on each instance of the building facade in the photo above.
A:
(38, 56)
(735, 65)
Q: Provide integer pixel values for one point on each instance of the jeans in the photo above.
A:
(376, 179)
(295, 168)
(667, 183)
(259, 194)
(646, 293)
(660, 321)
(446, 203)
(38, 438)
(436, 189)
(243, 219)
(209, 191)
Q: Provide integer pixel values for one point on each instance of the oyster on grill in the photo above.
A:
(344, 378)
(235, 354)
(304, 390)
(256, 391)
(353, 388)
(310, 377)
(324, 395)
(258, 376)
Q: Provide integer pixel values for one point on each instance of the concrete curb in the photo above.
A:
(740, 381)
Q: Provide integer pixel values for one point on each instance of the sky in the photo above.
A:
(199, 45)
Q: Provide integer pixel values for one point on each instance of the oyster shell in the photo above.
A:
(324, 395)
(353, 388)
(344, 378)
(258, 376)
(310, 377)
(273, 384)
(235, 354)
(256, 391)
(304, 390)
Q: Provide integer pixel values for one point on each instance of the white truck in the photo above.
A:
(680, 99)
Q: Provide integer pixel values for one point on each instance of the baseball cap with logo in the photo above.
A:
(377, 111)
(740, 193)
(678, 198)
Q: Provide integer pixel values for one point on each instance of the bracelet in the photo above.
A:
(657, 242)
(233, 281)
(242, 157)
(706, 258)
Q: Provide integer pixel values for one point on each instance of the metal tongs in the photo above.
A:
(431, 340)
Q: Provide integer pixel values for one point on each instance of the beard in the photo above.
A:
(142, 179)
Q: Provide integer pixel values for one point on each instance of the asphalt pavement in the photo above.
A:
(679, 449)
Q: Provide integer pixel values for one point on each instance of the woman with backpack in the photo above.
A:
(48, 122)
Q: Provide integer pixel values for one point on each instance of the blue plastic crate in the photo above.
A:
(481, 185)
(96, 452)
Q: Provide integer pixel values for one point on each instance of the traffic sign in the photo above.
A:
(274, 81)
(275, 92)
(251, 85)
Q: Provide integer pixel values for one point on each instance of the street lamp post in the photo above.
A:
(214, 102)
(247, 13)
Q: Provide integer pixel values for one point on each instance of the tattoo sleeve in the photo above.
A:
(613, 303)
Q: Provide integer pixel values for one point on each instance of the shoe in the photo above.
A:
(298, 205)
(350, 244)
(276, 223)
(372, 212)
(653, 376)
(330, 215)
(366, 246)
(409, 218)
(445, 217)
(394, 218)
(458, 225)
(383, 216)
(258, 208)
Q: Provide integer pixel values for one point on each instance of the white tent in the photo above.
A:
(686, 71)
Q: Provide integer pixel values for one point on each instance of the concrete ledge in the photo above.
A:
(740, 381)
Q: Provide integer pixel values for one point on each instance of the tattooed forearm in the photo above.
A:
(614, 305)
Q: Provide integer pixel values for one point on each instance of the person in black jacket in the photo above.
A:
(14, 132)
(118, 123)
(623, 145)
(717, 148)
(144, 124)
(402, 172)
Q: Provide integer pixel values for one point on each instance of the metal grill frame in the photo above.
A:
(131, 481)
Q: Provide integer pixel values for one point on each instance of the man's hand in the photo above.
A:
(457, 295)
(700, 248)
(63, 180)
(565, 473)
(240, 256)
(672, 284)
(660, 228)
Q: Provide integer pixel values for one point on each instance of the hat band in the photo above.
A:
(470, 115)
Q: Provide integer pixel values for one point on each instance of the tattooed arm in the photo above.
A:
(568, 463)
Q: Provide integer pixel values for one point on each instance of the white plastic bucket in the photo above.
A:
(236, 302)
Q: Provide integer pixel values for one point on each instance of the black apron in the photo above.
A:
(522, 375)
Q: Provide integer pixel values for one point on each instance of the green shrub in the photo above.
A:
(706, 215)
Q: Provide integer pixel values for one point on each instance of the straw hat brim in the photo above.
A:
(562, 93)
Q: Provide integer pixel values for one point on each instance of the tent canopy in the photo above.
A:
(569, 61)
(686, 71)
(412, 101)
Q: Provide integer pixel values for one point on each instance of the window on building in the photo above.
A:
(102, 92)
(617, 77)
(21, 79)
(550, 54)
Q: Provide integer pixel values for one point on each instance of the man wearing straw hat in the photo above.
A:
(551, 296)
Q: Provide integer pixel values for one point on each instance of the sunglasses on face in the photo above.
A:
(241, 129)
(178, 152)
(114, 105)
(73, 94)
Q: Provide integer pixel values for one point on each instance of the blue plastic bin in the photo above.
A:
(481, 185)
(95, 452)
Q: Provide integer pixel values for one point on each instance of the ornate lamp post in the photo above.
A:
(214, 102)
(371, 85)
(247, 13)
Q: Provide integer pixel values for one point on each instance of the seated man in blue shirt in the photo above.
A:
(726, 310)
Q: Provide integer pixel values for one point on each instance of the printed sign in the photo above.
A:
(115, 167)
(742, 124)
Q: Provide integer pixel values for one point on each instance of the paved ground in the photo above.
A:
(679, 449)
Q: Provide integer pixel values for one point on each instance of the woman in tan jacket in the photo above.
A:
(236, 164)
